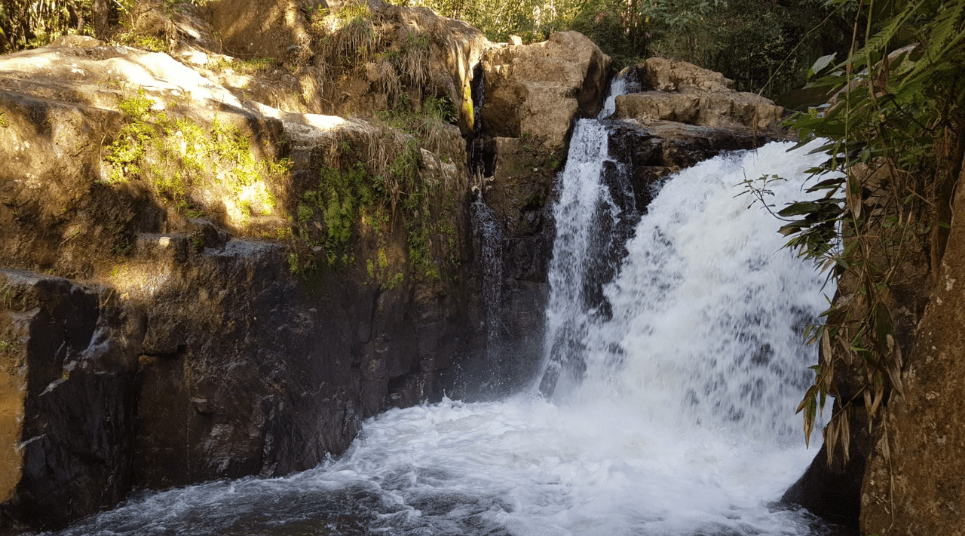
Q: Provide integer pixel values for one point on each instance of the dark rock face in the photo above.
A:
(230, 367)
(653, 151)
(833, 492)
(519, 197)
(73, 417)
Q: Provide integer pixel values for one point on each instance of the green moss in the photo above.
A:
(178, 156)
(252, 66)
(377, 196)
(8, 347)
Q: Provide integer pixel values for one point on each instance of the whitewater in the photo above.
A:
(670, 413)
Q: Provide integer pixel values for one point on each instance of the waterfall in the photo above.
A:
(488, 238)
(707, 313)
(675, 364)
(594, 218)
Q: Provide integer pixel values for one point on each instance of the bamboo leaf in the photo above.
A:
(821, 65)
(845, 436)
(807, 396)
(825, 346)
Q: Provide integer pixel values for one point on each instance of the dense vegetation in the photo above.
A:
(34, 23)
(895, 142)
(761, 45)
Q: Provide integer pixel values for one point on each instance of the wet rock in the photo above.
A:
(67, 400)
(651, 151)
(833, 491)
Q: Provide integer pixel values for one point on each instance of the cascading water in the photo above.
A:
(594, 218)
(488, 238)
(680, 420)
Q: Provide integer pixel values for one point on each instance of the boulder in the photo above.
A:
(537, 90)
(694, 107)
(661, 74)
(682, 92)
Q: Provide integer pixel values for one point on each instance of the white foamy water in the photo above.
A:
(679, 420)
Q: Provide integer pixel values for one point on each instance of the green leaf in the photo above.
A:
(821, 65)
(800, 208)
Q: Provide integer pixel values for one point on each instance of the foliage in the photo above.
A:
(763, 46)
(379, 270)
(34, 23)
(532, 20)
(175, 157)
(617, 27)
(251, 66)
(895, 130)
(426, 124)
(369, 190)
(29, 24)
(397, 60)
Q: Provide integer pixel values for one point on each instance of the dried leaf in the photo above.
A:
(809, 412)
(853, 201)
(830, 438)
(807, 396)
(825, 346)
(845, 436)
(897, 356)
(878, 396)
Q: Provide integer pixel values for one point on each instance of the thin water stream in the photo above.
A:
(671, 414)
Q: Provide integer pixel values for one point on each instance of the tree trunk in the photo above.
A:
(102, 12)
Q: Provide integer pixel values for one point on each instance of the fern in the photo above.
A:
(944, 27)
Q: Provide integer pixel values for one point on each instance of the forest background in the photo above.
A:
(765, 46)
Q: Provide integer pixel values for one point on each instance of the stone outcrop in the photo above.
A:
(536, 90)
(77, 456)
(684, 93)
(157, 333)
(651, 151)
(662, 74)
(913, 483)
